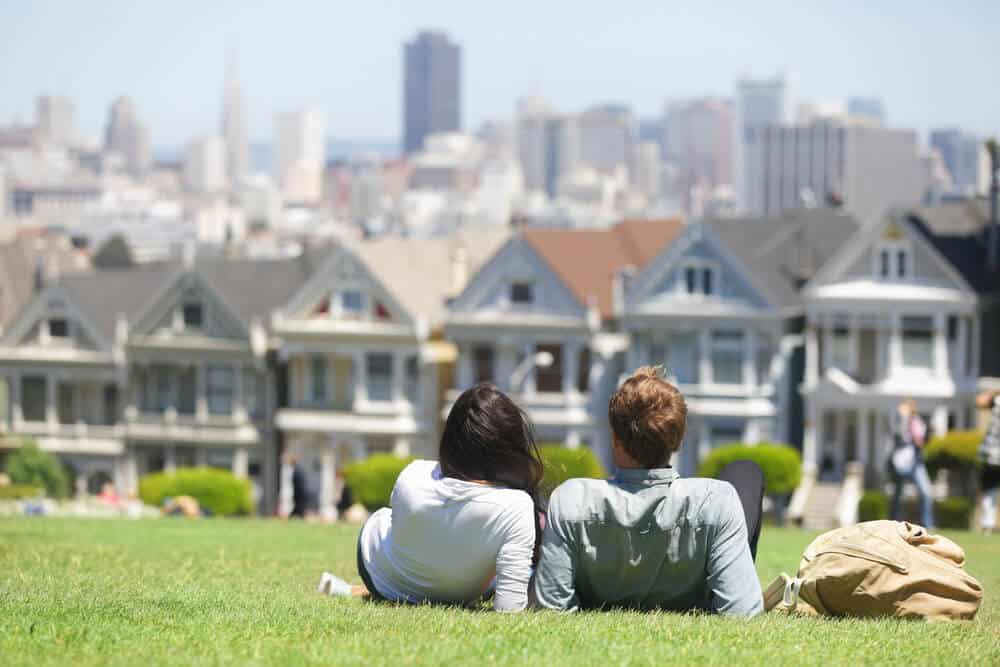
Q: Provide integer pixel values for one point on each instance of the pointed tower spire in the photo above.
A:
(234, 130)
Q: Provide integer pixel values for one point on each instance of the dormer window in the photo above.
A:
(58, 327)
(352, 304)
(522, 293)
(193, 315)
(699, 279)
(893, 261)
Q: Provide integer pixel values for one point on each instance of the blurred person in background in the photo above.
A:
(989, 455)
(906, 462)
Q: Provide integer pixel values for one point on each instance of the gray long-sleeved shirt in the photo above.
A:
(648, 540)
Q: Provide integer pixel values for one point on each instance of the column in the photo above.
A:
(463, 379)
(704, 357)
(749, 367)
(751, 432)
(961, 358)
(573, 439)
(241, 462)
(895, 344)
(169, 459)
(16, 410)
(862, 435)
(239, 402)
(939, 421)
(571, 363)
(327, 482)
(528, 385)
(285, 489)
(940, 345)
(811, 436)
(201, 391)
(812, 355)
(360, 379)
(131, 474)
(398, 370)
(51, 415)
(401, 446)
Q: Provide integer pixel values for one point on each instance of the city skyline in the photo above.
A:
(830, 53)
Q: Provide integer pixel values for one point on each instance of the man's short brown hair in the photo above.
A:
(648, 416)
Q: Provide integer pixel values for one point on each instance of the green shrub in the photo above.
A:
(873, 506)
(955, 513)
(18, 491)
(562, 463)
(30, 465)
(371, 480)
(953, 450)
(781, 464)
(216, 490)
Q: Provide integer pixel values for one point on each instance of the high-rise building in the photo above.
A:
(204, 168)
(864, 167)
(234, 130)
(607, 138)
(127, 136)
(698, 139)
(759, 103)
(866, 107)
(432, 88)
(648, 175)
(300, 154)
(960, 152)
(54, 117)
(547, 145)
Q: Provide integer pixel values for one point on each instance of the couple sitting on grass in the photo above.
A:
(472, 524)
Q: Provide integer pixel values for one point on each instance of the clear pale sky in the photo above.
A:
(931, 63)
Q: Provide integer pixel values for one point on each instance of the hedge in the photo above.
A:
(954, 513)
(955, 449)
(781, 464)
(873, 506)
(216, 490)
(18, 491)
(30, 465)
(562, 463)
(371, 480)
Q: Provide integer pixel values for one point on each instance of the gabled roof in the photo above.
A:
(781, 254)
(102, 295)
(958, 231)
(586, 260)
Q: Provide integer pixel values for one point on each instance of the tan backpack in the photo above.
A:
(879, 568)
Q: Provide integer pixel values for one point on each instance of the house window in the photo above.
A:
(884, 264)
(155, 388)
(317, 379)
(707, 282)
(66, 403)
(840, 348)
(583, 371)
(219, 458)
(253, 393)
(725, 434)
(699, 280)
(352, 304)
(482, 360)
(412, 378)
(764, 355)
(33, 398)
(901, 263)
(727, 357)
(220, 389)
(194, 316)
(894, 261)
(186, 390)
(58, 327)
(110, 404)
(549, 380)
(379, 368)
(691, 280)
(682, 358)
(918, 342)
(522, 293)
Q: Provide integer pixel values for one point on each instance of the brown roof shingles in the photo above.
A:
(586, 260)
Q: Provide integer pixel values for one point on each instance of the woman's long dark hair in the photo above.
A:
(488, 438)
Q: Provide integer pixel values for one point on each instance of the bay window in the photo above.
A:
(727, 357)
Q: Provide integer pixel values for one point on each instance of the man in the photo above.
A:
(989, 455)
(647, 539)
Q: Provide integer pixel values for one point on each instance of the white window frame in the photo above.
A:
(894, 249)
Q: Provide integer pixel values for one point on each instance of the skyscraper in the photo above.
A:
(432, 88)
(607, 138)
(234, 131)
(126, 135)
(698, 139)
(547, 145)
(759, 103)
(300, 154)
(54, 118)
(204, 167)
(960, 152)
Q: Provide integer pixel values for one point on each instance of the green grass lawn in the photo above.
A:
(217, 591)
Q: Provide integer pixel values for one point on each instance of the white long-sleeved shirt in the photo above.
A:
(444, 539)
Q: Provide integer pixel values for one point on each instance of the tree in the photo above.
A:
(30, 465)
(115, 253)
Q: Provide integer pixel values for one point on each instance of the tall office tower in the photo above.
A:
(54, 118)
(234, 129)
(432, 88)
(759, 103)
(869, 108)
(300, 154)
(961, 154)
(864, 167)
(698, 139)
(607, 138)
(648, 175)
(128, 137)
(204, 168)
(547, 145)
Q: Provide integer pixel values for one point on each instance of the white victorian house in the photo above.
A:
(719, 310)
(538, 322)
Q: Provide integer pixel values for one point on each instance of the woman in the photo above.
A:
(989, 455)
(458, 525)
(907, 462)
